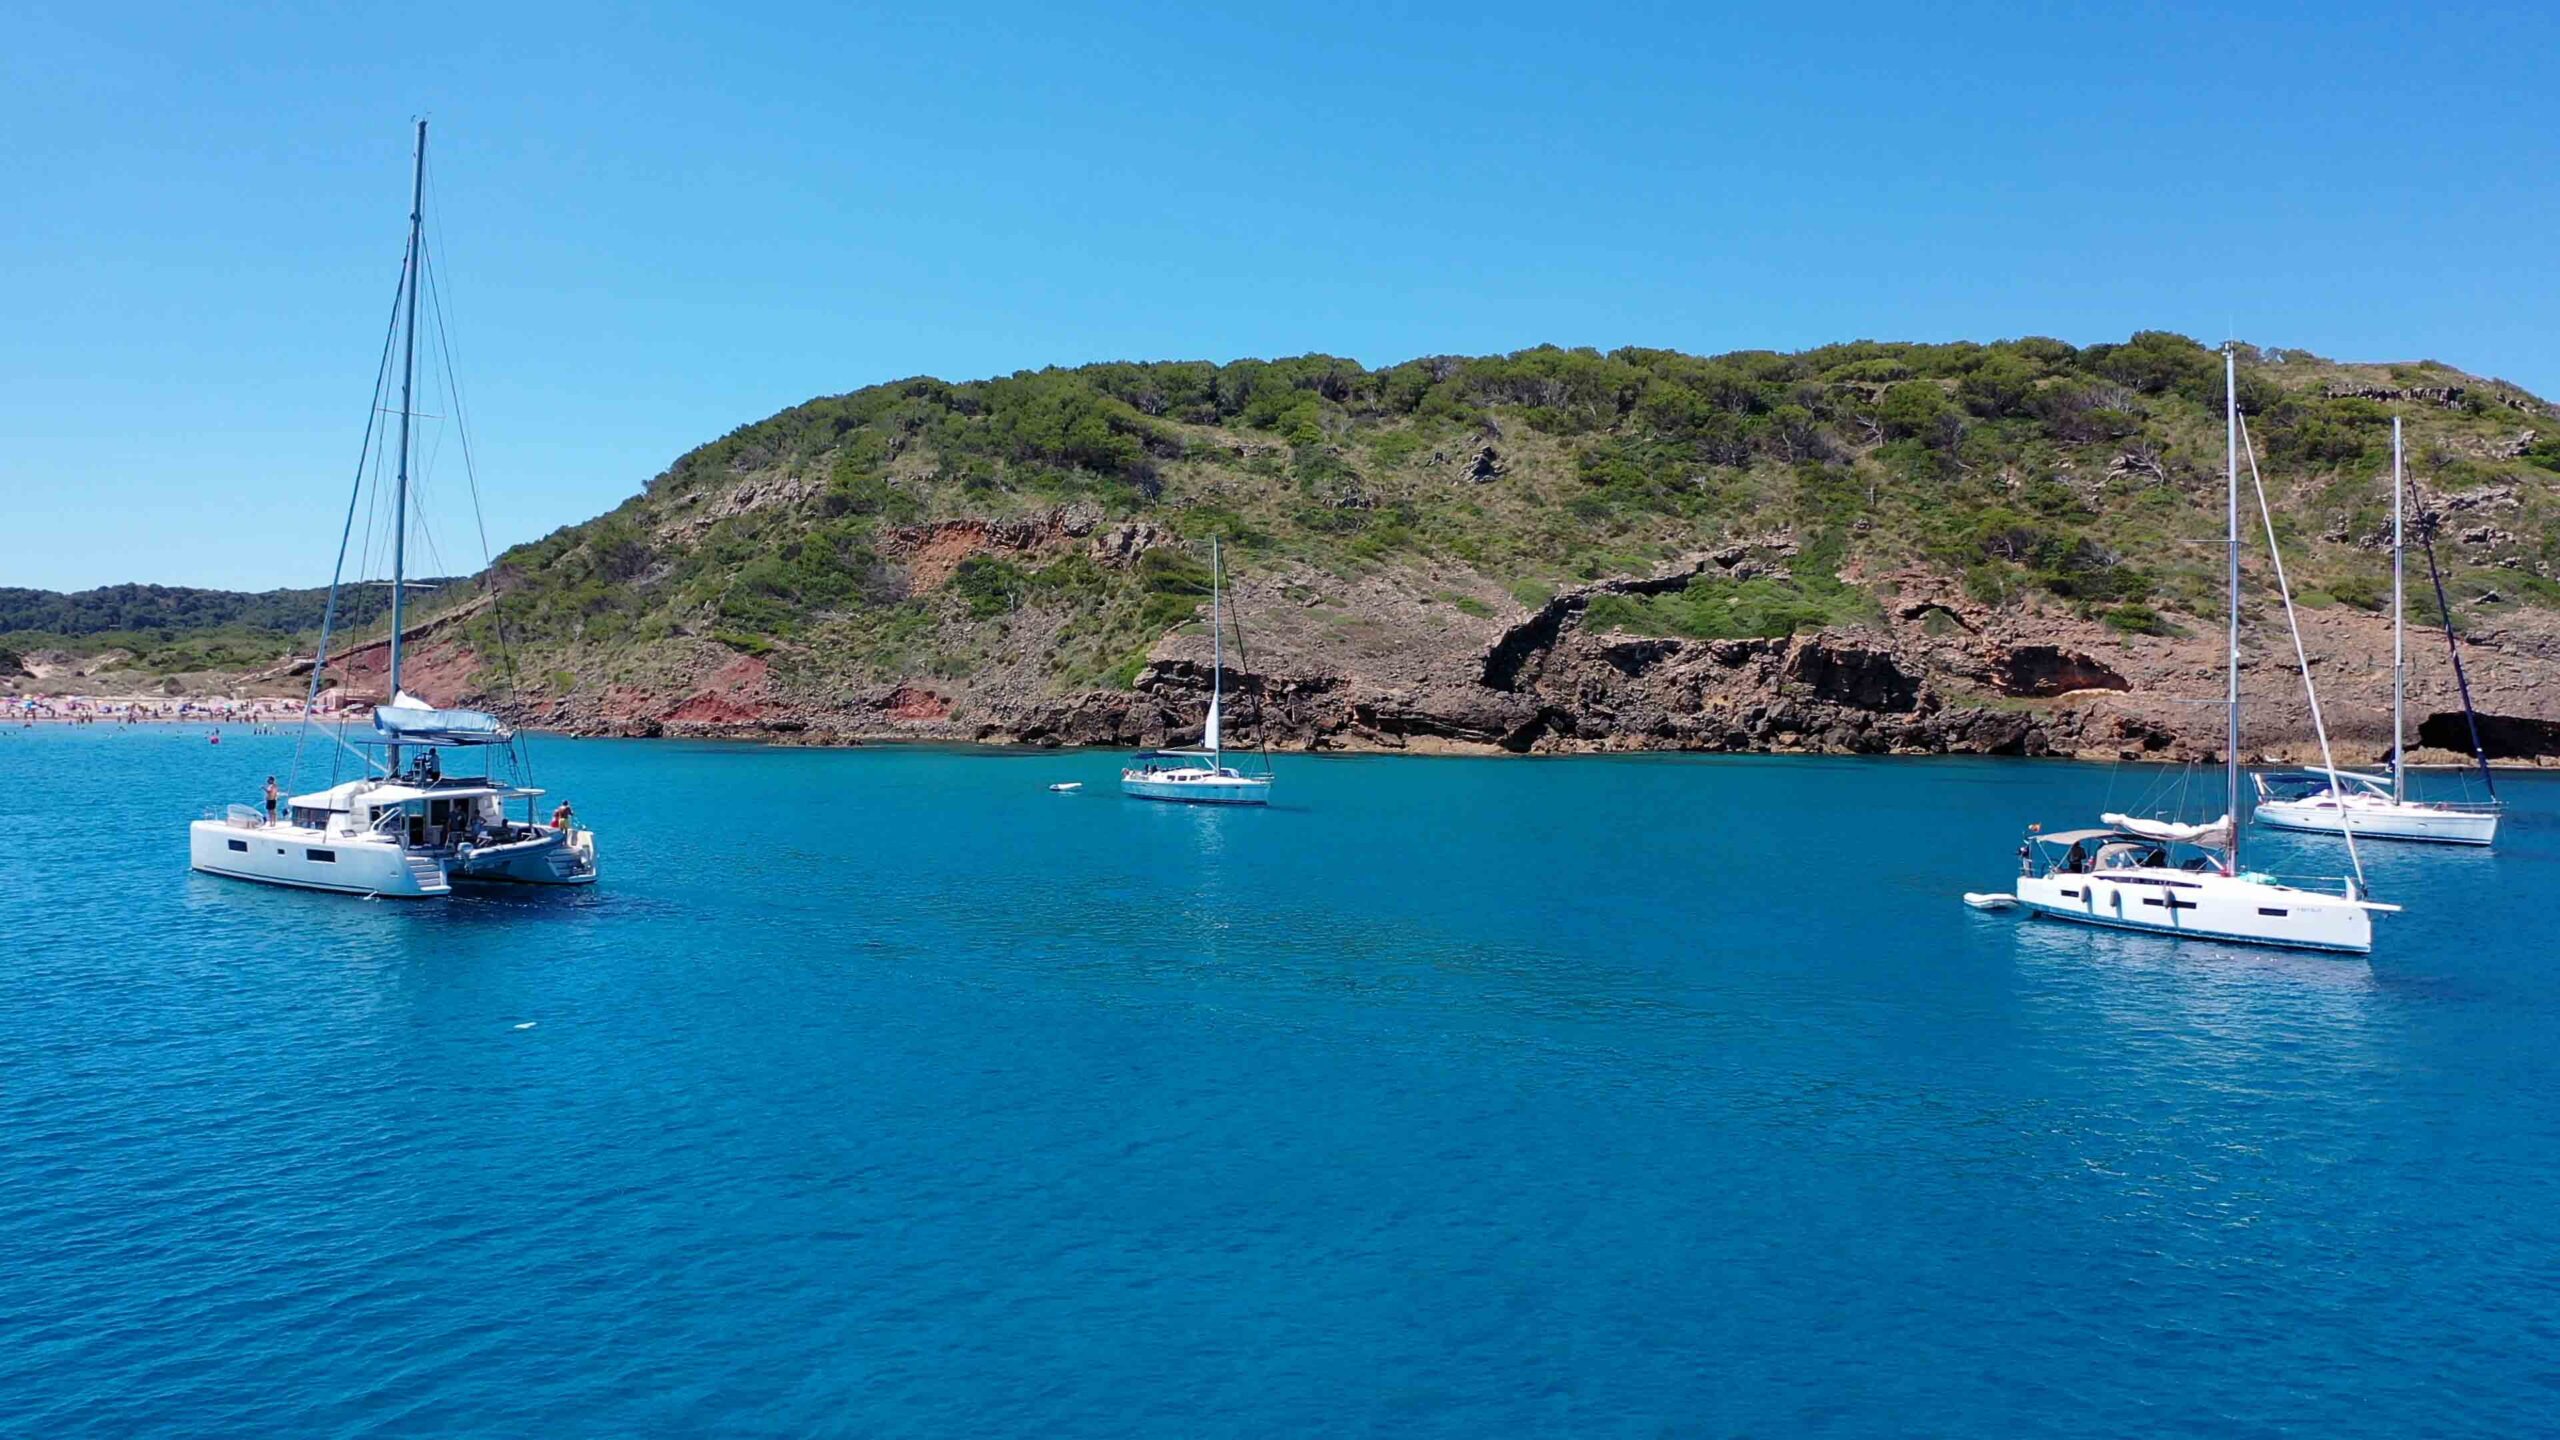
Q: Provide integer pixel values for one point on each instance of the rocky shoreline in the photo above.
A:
(1934, 675)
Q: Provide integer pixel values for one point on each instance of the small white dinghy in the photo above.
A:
(1986, 900)
(1066, 787)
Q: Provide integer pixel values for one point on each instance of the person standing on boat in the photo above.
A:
(563, 818)
(273, 795)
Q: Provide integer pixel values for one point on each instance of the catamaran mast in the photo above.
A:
(1217, 664)
(2399, 625)
(408, 372)
(2231, 690)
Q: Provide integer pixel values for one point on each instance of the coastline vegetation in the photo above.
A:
(2025, 471)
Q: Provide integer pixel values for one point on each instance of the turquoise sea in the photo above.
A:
(882, 1092)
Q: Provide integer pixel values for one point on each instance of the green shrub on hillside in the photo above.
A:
(1917, 410)
(1174, 586)
(2545, 451)
(989, 586)
(1716, 609)
(2137, 620)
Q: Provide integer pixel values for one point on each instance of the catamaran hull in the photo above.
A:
(305, 860)
(2442, 827)
(1200, 792)
(2204, 907)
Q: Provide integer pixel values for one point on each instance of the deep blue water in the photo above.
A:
(883, 1092)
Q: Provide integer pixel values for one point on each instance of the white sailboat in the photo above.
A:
(2332, 802)
(401, 831)
(2134, 873)
(1202, 776)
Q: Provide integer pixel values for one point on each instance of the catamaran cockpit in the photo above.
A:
(422, 814)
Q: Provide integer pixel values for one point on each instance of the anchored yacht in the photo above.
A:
(2140, 873)
(1202, 776)
(2332, 802)
(404, 828)
(411, 833)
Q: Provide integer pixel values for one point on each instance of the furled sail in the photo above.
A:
(407, 720)
(1209, 733)
(2218, 833)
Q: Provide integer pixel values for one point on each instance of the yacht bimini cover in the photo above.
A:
(407, 720)
(2217, 833)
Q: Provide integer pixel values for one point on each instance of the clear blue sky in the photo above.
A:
(658, 225)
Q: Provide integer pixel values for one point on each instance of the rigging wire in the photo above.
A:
(2427, 523)
(2310, 693)
(377, 525)
(519, 756)
(346, 530)
(1261, 728)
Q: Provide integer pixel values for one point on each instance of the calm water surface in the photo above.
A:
(883, 1092)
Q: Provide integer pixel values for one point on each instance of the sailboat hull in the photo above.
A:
(2196, 906)
(2383, 820)
(305, 859)
(1200, 789)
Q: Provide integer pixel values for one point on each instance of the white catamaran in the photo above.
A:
(402, 830)
(2146, 874)
(2378, 806)
(1202, 776)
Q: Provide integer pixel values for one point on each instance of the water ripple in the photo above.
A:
(884, 1093)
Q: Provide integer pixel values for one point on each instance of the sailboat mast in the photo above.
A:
(2399, 624)
(1217, 662)
(2231, 686)
(408, 373)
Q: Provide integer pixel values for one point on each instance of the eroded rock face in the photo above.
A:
(1853, 675)
(1384, 661)
(911, 704)
(1635, 657)
(1523, 644)
(2504, 737)
(2442, 396)
(2037, 671)
(1123, 544)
